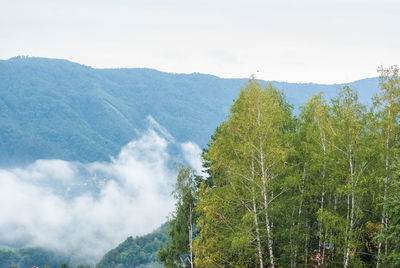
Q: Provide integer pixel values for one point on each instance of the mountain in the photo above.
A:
(136, 252)
(27, 257)
(52, 108)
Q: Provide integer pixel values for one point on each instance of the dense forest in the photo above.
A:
(140, 252)
(29, 256)
(319, 189)
(136, 252)
(53, 108)
(34, 257)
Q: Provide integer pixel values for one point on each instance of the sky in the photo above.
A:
(323, 41)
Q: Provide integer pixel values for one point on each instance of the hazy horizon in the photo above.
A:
(166, 71)
(292, 41)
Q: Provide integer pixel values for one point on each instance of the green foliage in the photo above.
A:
(319, 190)
(136, 252)
(59, 109)
(392, 232)
(245, 160)
(181, 227)
(27, 257)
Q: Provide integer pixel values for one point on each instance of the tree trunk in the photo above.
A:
(345, 259)
(294, 257)
(387, 162)
(267, 223)
(351, 225)
(269, 234)
(265, 194)
(334, 209)
(306, 245)
(323, 194)
(258, 238)
(323, 250)
(191, 236)
(260, 257)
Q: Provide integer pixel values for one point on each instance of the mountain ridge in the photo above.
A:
(16, 58)
(55, 108)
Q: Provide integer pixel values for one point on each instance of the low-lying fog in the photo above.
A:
(84, 210)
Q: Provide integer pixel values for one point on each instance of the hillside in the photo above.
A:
(140, 251)
(26, 257)
(59, 109)
(136, 252)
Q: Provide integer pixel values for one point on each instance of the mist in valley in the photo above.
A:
(83, 210)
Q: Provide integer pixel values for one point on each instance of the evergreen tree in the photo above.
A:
(179, 251)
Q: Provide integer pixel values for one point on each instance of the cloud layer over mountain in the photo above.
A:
(86, 209)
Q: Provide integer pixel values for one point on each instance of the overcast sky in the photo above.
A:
(321, 41)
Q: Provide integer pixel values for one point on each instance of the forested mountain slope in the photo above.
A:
(136, 252)
(26, 257)
(54, 108)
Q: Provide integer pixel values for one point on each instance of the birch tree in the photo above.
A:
(246, 158)
(388, 105)
(314, 149)
(352, 158)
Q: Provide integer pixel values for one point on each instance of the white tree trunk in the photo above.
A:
(299, 211)
(260, 257)
(258, 238)
(387, 162)
(306, 245)
(191, 236)
(265, 195)
(351, 225)
(322, 195)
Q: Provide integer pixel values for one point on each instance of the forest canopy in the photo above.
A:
(320, 188)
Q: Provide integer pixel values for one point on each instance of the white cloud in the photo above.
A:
(87, 209)
(192, 155)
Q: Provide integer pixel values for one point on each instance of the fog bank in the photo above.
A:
(87, 209)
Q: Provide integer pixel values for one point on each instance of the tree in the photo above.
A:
(321, 190)
(388, 106)
(179, 252)
(348, 133)
(246, 160)
(391, 232)
(312, 161)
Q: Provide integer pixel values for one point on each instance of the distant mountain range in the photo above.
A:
(52, 108)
